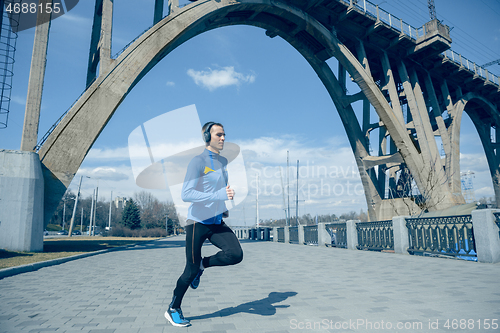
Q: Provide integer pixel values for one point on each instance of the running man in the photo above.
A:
(206, 187)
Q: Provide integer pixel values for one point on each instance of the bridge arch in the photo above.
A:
(66, 147)
(484, 116)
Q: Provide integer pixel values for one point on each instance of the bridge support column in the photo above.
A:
(100, 43)
(35, 83)
(172, 6)
(105, 42)
(400, 231)
(352, 234)
(158, 11)
(453, 168)
(287, 235)
(21, 201)
(486, 235)
(275, 234)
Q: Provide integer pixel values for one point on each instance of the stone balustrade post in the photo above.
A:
(323, 235)
(267, 234)
(301, 234)
(287, 235)
(352, 234)
(400, 231)
(486, 235)
(275, 234)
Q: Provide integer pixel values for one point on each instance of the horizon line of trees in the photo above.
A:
(307, 219)
(143, 211)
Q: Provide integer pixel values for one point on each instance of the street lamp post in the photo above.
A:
(64, 213)
(91, 214)
(81, 222)
(110, 202)
(95, 208)
(74, 208)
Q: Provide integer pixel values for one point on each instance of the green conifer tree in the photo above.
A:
(131, 216)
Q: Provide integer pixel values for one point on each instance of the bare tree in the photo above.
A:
(154, 213)
(416, 201)
(144, 200)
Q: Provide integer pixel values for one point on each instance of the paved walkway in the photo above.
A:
(277, 288)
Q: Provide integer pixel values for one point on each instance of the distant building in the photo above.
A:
(120, 202)
(468, 186)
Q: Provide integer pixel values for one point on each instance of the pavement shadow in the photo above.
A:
(262, 307)
(4, 254)
(157, 244)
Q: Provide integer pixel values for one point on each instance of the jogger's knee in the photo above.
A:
(235, 257)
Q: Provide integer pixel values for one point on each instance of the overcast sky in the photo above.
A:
(261, 89)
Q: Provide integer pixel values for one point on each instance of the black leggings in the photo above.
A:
(218, 234)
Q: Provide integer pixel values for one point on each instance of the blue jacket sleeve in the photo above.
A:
(190, 193)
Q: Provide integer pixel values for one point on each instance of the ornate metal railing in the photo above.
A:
(449, 235)
(471, 66)
(294, 235)
(311, 235)
(497, 220)
(338, 234)
(281, 235)
(372, 10)
(375, 236)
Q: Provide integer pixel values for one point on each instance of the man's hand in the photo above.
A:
(230, 193)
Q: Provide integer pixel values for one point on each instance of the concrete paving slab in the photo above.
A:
(277, 288)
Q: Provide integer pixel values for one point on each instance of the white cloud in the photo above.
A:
(216, 78)
(328, 178)
(481, 178)
(118, 179)
(117, 154)
(329, 181)
(140, 152)
(484, 192)
(76, 18)
(170, 84)
(18, 100)
(107, 173)
(274, 206)
(114, 174)
(474, 162)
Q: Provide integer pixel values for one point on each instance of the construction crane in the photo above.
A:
(491, 63)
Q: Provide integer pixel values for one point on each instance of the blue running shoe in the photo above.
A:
(175, 317)
(196, 281)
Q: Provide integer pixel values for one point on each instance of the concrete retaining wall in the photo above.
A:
(21, 201)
